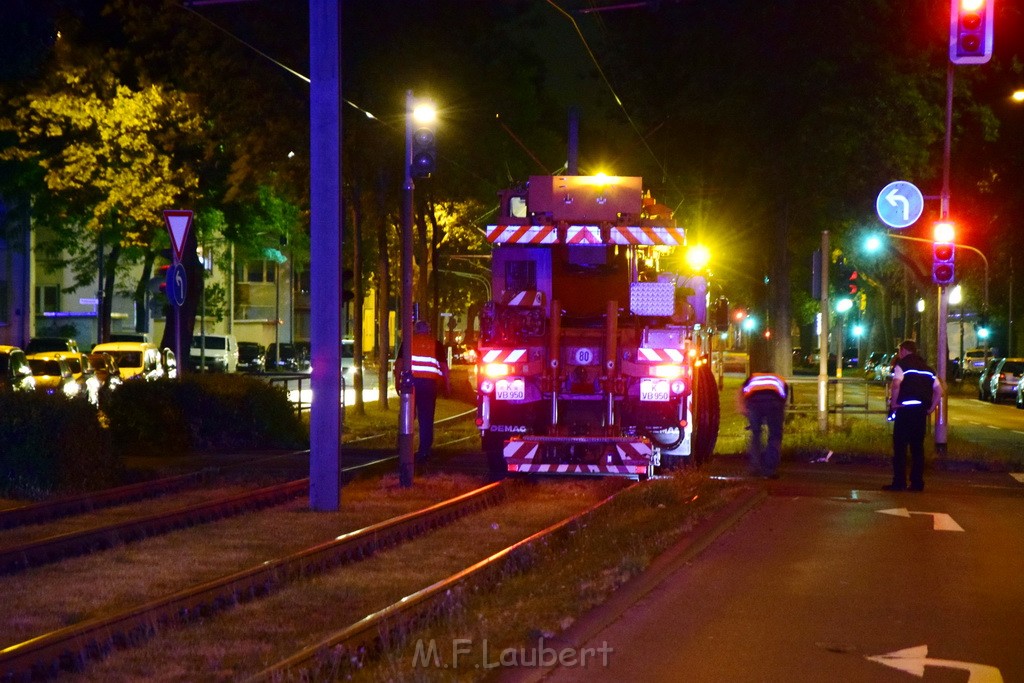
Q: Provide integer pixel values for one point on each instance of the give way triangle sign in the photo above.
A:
(178, 221)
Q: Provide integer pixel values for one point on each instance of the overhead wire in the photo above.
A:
(611, 89)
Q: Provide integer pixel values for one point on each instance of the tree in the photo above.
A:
(112, 159)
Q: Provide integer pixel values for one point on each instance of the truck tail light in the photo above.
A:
(667, 371)
(495, 370)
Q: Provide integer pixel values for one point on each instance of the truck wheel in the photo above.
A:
(706, 415)
(493, 445)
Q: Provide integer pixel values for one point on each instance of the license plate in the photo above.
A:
(652, 389)
(511, 389)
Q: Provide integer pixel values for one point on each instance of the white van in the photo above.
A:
(214, 352)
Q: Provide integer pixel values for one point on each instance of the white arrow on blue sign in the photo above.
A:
(899, 204)
(176, 288)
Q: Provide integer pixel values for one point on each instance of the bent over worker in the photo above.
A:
(764, 403)
(429, 376)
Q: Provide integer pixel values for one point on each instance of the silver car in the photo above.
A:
(1005, 377)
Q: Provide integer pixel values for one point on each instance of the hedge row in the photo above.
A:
(203, 413)
(49, 444)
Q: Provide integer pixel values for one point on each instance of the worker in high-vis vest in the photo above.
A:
(763, 400)
(429, 377)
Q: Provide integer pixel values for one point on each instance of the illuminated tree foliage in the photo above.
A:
(112, 158)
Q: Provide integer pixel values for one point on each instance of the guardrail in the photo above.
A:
(297, 385)
(854, 395)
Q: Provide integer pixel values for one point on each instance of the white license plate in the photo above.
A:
(652, 389)
(511, 389)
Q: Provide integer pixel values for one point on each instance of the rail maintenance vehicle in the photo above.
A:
(590, 360)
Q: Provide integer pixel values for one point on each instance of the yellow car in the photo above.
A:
(53, 375)
(15, 373)
(135, 360)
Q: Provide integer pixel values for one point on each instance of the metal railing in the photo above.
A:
(845, 395)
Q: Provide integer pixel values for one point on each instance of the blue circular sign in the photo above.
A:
(899, 204)
(176, 284)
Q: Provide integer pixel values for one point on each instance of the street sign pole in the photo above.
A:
(178, 222)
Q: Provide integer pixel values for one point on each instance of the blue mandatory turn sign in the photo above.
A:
(899, 204)
(176, 284)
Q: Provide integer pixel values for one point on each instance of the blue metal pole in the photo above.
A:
(325, 256)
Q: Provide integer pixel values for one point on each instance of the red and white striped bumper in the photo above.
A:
(618, 455)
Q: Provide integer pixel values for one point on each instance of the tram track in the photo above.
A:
(19, 556)
(341, 653)
(72, 647)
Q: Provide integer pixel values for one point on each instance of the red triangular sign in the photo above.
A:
(178, 221)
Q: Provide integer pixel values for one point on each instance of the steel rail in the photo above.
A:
(71, 647)
(345, 649)
(42, 551)
(36, 513)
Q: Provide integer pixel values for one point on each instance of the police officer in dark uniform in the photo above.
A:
(916, 392)
(764, 403)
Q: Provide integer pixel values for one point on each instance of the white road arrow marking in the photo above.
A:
(940, 520)
(894, 196)
(913, 660)
(1018, 476)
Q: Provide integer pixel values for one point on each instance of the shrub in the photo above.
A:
(203, 413)
(50, 444)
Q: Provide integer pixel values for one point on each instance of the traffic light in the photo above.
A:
(845, 279)
(424, 142)
(970, 31)
(721, 314)
(943, 253)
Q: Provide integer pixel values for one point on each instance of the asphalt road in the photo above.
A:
(831, 579)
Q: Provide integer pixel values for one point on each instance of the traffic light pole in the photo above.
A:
(942, 344)
(406, 464)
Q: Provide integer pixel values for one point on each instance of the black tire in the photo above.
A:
(493, 447)
(706, 415)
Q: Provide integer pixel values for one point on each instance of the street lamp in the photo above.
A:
(420, 117)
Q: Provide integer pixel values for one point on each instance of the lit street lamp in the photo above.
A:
(419, 162)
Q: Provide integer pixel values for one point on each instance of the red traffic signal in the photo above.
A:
(970, 31)
(943, 270)
(853, 282)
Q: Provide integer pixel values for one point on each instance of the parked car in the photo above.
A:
(1004, 379)
(130, 337)
(83, 373)
(53, 376)
(251, 357)
(15, 372)
(168, 363)
(135, 360)
(284, 357)
(104, 368)
(46, 344)
(871, 362)
(985, 380)
(348, 355)
(214, 353)
(975, 360)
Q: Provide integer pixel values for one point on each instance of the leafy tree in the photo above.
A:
(112, 158)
